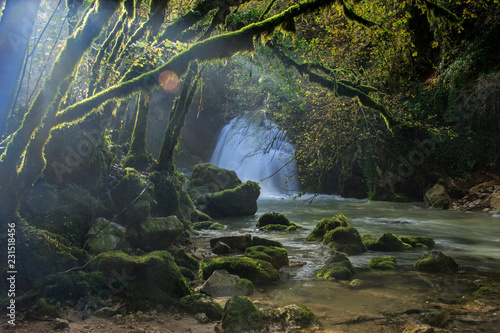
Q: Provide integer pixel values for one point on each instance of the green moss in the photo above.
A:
(255, 270)
(132, 187)
(185, 260)
(44, 253)
(338, 267)
(206, 225)
(241, 315)
(326, 225)
(276, 256)
(415, 240)
(242, 200)
(198, 303)
(105, 238)
(386, 243)
(345, 239)
(140, 162)
(383, 264)
(244, 284)
(153, 278)
(273, 218)
(436, 262)
(488, 290)
(290, 316)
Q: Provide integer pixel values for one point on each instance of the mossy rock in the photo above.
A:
(241, 315)
(223, 284)
(265, 242)
(383, 264)
(68, 211)
(290, 317)
(276, 256)
(240, 201)
(71, 285)
(44, 253)
(326, 225)
(437, 197)
(221, 248)
(165, 193)
(199, 303)
(153, 278)
(386, 243)
(369, 240)
(255, 270)
(129, 189)
(139, 162)
(105, 236)
(345, 239)
(185, 260)
(160, 233)
(414, 241)
(202, 217)
(207, 225)
(273, 218)
(337, 267)
(207, 178)
(237, 242)
(436, 262)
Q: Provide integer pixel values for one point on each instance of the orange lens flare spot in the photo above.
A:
(169, 81)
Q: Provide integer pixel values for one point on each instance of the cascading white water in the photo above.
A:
(257, 150)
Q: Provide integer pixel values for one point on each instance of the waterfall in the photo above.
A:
(256, 149)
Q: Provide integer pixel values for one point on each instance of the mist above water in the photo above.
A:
(256, 149)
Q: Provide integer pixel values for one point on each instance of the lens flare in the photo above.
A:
(170, 81)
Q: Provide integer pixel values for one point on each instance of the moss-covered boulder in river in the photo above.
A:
(275, 221)
(241, 315)
(219, 192)
(418, 242)
(386, 243)
(255, 270)
(383, 264)
(326, 225)
(345, 239)
(276, 256)
(207, 225)
(337, 267)
(153, 278)
(223, 284)
(436, 262)
(239, 201)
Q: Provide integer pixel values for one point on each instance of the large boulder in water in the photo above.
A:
(437, 197)
(219, 192)
(345, 239)
(337, 267)
(326, 225)
(255, 270)
(436, 262)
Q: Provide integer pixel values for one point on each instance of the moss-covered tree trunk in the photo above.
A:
(137, 156)
(44, 108)
(177, 120)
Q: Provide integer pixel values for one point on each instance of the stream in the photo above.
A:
(472, 239)
(257, 150)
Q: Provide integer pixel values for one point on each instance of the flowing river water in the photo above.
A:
(256, 149)
(472, 239)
